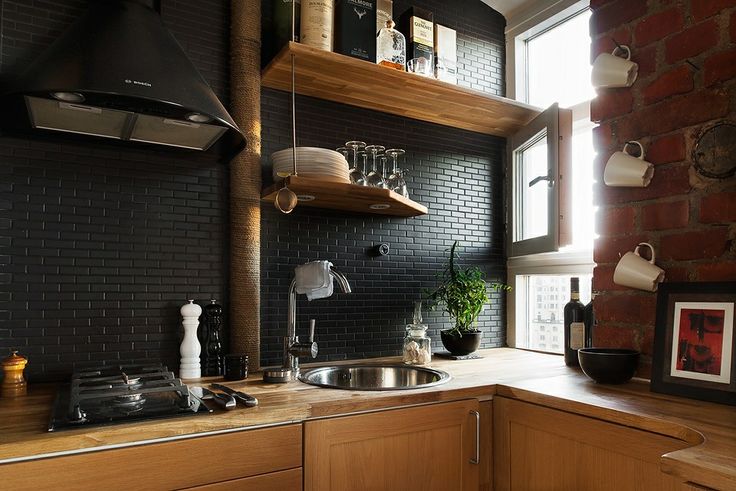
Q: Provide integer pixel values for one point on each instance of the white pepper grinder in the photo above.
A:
(190, 348)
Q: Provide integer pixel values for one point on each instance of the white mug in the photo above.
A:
(634, 271)
(610, 70)
(623, 169)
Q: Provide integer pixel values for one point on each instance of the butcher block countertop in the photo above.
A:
(527, 376)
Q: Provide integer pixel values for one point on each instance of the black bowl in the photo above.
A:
(608, 365)
(461, 345)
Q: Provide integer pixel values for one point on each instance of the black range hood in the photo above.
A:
(118, 73)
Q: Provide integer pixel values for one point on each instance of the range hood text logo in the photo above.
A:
(137, 82)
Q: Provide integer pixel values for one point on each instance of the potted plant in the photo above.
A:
(463, 293)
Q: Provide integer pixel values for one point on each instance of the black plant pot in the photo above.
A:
(460, 345)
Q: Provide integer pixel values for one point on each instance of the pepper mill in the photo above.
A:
(190, 348)
(211, 345)
(14, 384)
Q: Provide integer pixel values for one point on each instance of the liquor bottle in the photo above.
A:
(316, 23)
(589, 320)
(391, 47)
(355, 29)
(282, 20)
(445, 47)
(418, 27)
(384, 12)
(574, 324)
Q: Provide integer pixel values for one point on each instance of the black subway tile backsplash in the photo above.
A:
(101, 244)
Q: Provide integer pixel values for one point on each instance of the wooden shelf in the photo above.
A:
(347, 197)
(347, 80)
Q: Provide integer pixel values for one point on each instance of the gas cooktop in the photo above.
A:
(120, 394)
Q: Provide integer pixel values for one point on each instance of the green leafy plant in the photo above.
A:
(463, 293)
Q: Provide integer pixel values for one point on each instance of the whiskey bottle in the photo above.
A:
(391, 47)
(316, 23)
(418, 26)
(355, 28)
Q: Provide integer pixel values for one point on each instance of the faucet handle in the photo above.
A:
(310, 348)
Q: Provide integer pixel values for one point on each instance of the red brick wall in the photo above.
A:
(690, 220)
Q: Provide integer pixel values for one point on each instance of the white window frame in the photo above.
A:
(540, 16)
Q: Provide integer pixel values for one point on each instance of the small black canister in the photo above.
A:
(211, 356)
(236, 366)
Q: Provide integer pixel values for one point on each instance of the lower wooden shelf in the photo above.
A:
(348, 197)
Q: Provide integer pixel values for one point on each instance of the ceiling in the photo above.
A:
(508, 7)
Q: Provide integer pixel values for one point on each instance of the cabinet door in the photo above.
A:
(545, 449)
(424, 448)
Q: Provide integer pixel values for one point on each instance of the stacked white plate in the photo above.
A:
(317, 163)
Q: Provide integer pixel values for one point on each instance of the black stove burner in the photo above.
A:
(120, 394)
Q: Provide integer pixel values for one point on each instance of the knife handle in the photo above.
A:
(247, 399)
(223, 400)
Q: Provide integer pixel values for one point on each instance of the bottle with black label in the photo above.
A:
(574, 324)
(355, 28)
(417, 24)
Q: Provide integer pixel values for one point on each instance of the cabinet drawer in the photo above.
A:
(170, 465)
(290, 480)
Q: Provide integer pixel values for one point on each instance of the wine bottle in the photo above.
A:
(574, 324)
(589, 320)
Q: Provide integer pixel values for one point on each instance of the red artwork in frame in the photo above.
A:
(694, 341)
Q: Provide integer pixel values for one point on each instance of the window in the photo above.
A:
(548, 52)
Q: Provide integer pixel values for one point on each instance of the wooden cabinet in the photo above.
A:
(231, 459)
(288, 480)
(422, 448)
(545, 449)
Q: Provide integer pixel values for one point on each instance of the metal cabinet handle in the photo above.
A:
(476, 459)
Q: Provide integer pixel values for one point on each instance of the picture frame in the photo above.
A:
(694, 341)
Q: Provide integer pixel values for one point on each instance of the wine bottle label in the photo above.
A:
(316, 20)
(577, 331)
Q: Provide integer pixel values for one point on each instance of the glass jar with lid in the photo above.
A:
(417, 346)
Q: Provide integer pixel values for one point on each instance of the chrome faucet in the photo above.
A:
(293, 348)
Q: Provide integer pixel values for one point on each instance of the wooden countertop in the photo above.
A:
(527, 376)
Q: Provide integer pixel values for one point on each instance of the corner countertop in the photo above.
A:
(527, 376)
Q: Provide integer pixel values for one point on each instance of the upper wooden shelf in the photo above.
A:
(347, 197)
(340, 78)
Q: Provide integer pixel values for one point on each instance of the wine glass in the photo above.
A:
(401, 185)
(394, 180)
(374, 177)
(384, 175)
(357, 172)
(344, 151)
(356, 175)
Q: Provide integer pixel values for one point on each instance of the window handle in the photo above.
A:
(549, 179)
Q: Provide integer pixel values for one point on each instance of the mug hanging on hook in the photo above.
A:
(625, 170)
(611, 70)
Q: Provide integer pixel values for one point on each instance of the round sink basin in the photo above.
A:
(374, 377)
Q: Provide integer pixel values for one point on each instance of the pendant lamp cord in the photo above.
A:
(293, 89)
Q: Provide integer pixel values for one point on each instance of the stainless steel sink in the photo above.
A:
(374, 377)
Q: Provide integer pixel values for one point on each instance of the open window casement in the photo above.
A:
(539, 211)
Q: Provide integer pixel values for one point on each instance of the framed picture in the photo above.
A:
(694, 346)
